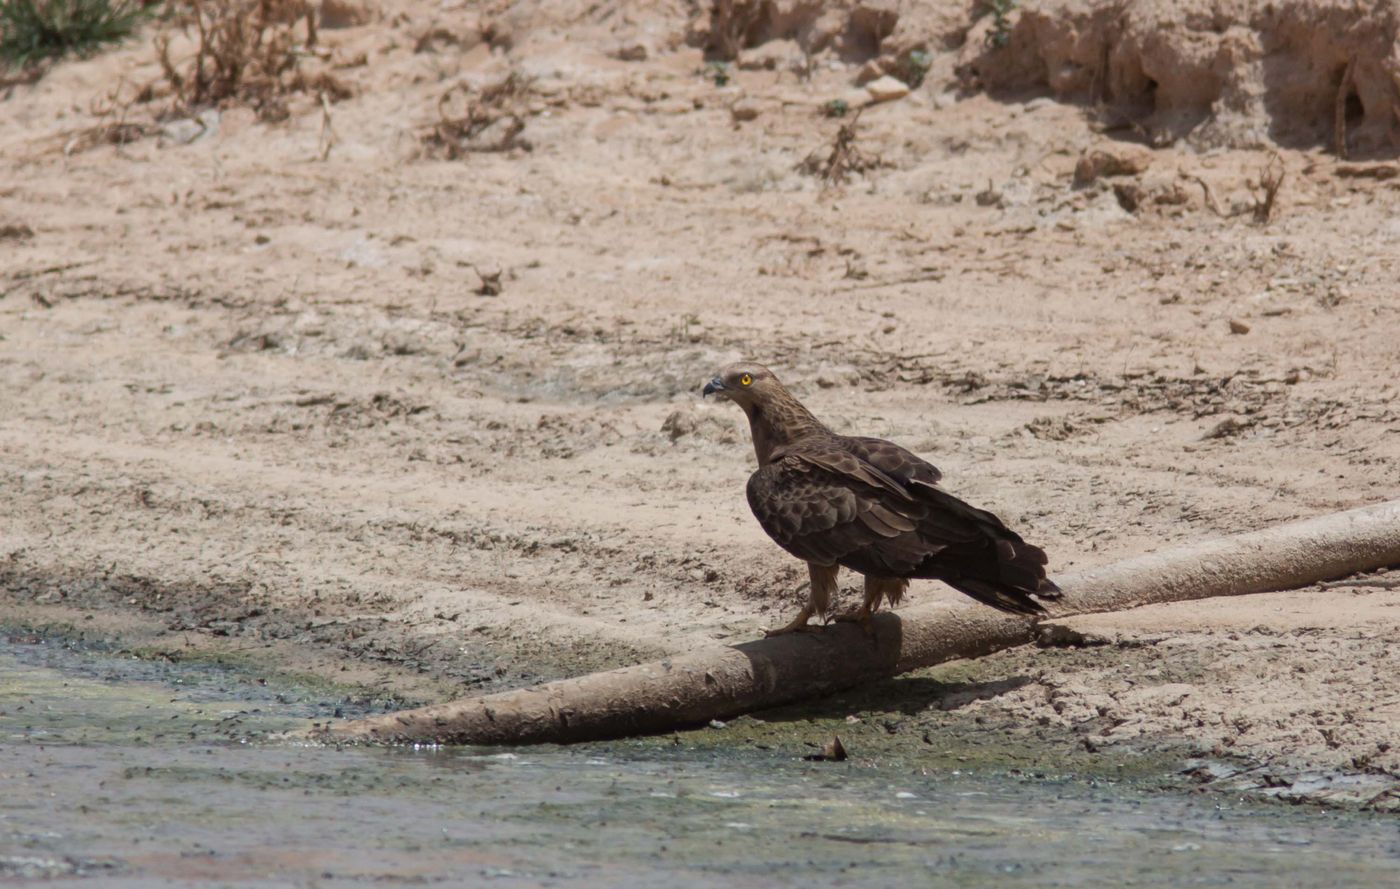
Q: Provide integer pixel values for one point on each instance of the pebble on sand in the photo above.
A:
(887, 89)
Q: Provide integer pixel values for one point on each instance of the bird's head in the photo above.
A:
(744, 383)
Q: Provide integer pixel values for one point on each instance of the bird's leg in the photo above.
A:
(861, 615)
(818, 600)
(874, 592)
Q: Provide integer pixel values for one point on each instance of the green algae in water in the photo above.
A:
(95, 787)
(59, 695)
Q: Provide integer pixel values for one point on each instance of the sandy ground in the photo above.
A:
(252, 404)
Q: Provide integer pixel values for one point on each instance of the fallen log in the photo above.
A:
(723, 682)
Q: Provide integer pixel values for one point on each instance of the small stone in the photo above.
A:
(887, 89)
(832, 751)
(347, 13)
(1225, 429)
(192, 129)
(490, 282)
(1111, 160)
(1238, 327)
(744, 110)
(775, 55)
(1130, 195)
(871, 70)
(631, 51)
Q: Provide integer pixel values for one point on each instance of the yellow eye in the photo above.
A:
(745, 380)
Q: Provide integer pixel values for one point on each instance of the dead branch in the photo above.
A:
(480, 119)
(245, 51)
(326, 140)
(843, 158)
(1379, 172)
(721, 683)
(1339, 109)
(730, 22)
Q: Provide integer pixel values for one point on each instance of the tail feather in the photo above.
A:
(994, 566)
(1000, 597)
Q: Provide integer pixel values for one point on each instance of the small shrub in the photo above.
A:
(841, 158)
(1270, 181)
(913, 68)
(246, 52)
(730, 24)
(480, 119)
(718, 72)
(1000, 33)
(34, 30)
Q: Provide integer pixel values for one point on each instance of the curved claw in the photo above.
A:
(862, 616)
(798, 625)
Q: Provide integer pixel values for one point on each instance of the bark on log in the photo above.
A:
(723, 682)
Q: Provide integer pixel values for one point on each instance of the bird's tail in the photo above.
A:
(1017, 600)
(995, 567)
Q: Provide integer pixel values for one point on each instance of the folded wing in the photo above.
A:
(873, 507)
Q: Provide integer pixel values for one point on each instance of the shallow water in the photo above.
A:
(118, 772)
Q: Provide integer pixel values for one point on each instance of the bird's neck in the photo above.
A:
(778, 422)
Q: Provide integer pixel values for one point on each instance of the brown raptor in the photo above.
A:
(872, 506)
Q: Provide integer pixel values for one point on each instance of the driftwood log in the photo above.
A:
(723, 682)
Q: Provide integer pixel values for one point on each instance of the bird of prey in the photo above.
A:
(871, 506)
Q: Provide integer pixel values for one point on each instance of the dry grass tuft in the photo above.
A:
(1266, 196)
(109, 132)
(255, 53)
(730, 23)
(247, 52)
(842, 159)
(475, 119)
(113, 126)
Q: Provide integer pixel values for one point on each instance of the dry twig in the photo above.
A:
(246, 51)
(112, 127)
(489, 118)
(1339, 109)
(1270, 181)
(730, 23)
(843, 158)
(326, 140)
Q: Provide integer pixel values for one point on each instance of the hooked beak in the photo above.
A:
(712, 387)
